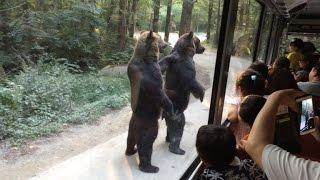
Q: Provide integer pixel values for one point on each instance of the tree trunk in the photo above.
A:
(132, 26)
(209, 19)
(151, 21)
(4, 27)
(128, 19)
(218, 23)
(168, 21)
(2, 73)
(41, 5)
(111, 22)
(247, 15)
(186, 16)
(156, 10)
(122, 24)
(241, 14)
(57, 4)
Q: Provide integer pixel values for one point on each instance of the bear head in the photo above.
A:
(190, 44)
(149, 45)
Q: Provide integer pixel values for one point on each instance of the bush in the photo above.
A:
(39, 100)
(68, 33)
(119, 57)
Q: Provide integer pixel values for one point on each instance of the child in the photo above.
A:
(295, 54)
(249, 109)
(216, 146)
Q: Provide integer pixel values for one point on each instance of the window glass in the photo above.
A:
(65, 92)
(306, 37)
(265, 34)
(243, 44)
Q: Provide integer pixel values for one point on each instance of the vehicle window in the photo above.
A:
(265, 34)
(64, 86)
(306, 37)
(242, 54)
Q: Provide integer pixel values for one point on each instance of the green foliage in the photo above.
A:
(39, 100)
(118, 57)
(68, 33)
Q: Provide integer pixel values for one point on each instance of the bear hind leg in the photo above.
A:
(144, 145)
(131, 141)
(176, 130)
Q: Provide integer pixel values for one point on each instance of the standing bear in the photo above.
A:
(147, 98)
(180, 82)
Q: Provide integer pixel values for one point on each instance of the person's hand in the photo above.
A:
(287, 97)
(243, 144)
(233, 113)
(316, 133)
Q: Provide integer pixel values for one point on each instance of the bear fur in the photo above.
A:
(180, 81)
(148, 98)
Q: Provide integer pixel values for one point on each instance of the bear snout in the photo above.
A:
(201, 50)
(162, 47)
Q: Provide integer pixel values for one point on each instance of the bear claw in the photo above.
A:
(177, 151)
(131, 152)
(149, 169)
(167, 139)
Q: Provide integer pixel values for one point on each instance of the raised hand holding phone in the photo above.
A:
(306, 117)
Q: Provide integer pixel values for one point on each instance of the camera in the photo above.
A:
(306, 114)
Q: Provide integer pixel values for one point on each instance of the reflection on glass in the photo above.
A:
(266, 28)
(243, 44)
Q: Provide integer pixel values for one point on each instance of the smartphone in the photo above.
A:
(305, 115)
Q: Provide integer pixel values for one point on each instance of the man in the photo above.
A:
(276, 162)
(313, 86)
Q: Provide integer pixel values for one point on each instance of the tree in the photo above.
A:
(168, 21)
(247, 15)
(186, 16)
(133, 20)
(4, 26)
(41, 5)
(156, 10)
(218, 19)
(209, 19)
(122, 24)
(241, 14)
(113, 9)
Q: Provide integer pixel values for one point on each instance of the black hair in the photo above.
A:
(281, 79)
(260, 67)
(216, 145)
(282, 62)
(250, 107)
(317, 68)
(309, 48)
(298, 43)
(250, 82)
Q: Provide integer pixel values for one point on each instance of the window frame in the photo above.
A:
(224, 51)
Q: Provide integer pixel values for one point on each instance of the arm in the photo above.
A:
(166, 104)
(135, 77)
(197, 90)
(316, 133)
(262, 132)
(164, 63)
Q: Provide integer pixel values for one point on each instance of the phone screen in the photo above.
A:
(306, 115)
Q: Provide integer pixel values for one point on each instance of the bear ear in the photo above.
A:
(142, 32)
(150, 35)
(190, 35)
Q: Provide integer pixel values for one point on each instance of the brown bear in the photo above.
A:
(180, 82)
(148, 98)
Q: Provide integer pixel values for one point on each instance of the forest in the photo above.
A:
(52, 51)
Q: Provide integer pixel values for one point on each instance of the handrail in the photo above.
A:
(283, 7)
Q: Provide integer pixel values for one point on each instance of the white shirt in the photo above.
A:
(312, 88)
(279, 164)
